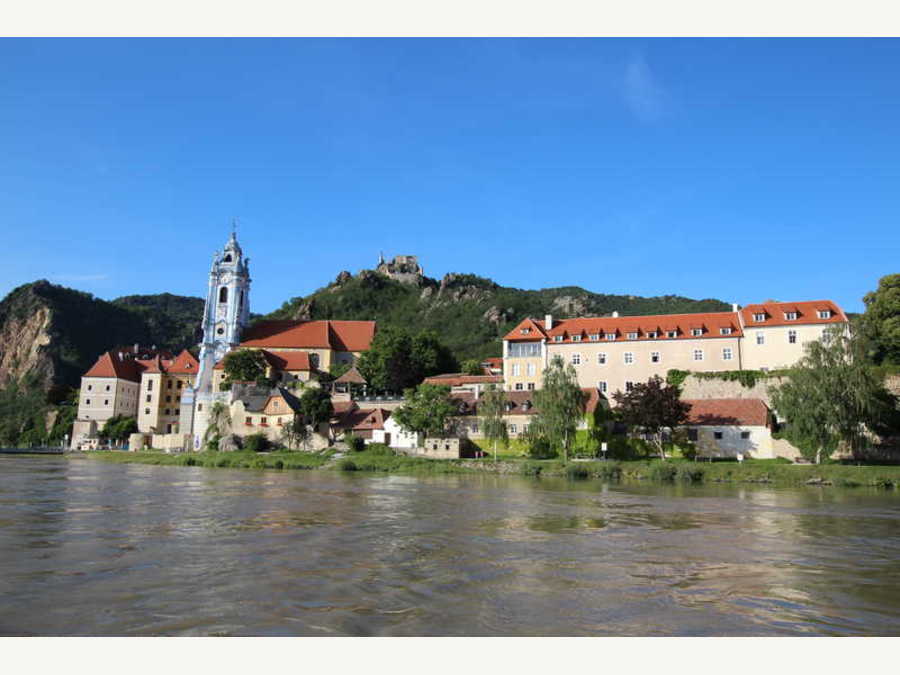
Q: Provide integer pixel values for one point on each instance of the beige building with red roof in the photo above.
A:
(612, 353)
(133, 382)
(728, 427)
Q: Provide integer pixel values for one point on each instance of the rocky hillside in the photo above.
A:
(49, 335)
(470, 313)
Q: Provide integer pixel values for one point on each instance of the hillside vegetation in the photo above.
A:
(469, 313)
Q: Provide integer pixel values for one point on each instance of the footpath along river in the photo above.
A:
(92, 548)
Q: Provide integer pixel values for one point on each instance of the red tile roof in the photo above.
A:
(352, 376)
(710, 323)
(346, 336)
(364, 419)
(528, 329)
(183, 364)
(110, 365)
(287, 361)
(728, 412)
(460, 379)
(807, 313)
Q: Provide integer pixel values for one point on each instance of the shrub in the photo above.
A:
(689, 473)
(379, 450)
(663, 471)
(190, 461)
(278, 464)
(256, 443)
(355, 443)
(539, 448)
(347, 464)
(578, 471)
(531, 469)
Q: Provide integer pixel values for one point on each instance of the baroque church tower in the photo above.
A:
(225, 315)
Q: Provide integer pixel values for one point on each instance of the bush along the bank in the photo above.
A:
(256, 443)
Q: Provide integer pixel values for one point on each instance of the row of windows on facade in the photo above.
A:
(533, 349)
(179, 384)
(263, 421)
(759, 317)
(628, 358)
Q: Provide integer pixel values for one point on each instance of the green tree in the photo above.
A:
(118, 428)
(295, 433)
(881, 321)
(245, 365)
(396, 360)
(832, 396)
(652, 406)
(219, 424)
(425, 410)
(560, 405)
(315, 407)
(472, 367)
(491, 407)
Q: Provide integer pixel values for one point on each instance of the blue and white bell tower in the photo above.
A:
(227, 310)
(225, 315)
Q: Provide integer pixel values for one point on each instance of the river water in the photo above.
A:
(89, 548)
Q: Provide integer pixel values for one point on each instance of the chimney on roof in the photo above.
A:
(615, 314)
(548, 322)
(734, 307)
(136, 347)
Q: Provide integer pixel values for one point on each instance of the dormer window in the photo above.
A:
(790, 316)
(525, 331)
(725, 331)
(594, 337)
(652, 334)
(557, 338)
(759, 317)
(526, 405)
(576, 338)
(696, 332)
(672, 333)
(824, 313)
(610, 336)
(632, 336)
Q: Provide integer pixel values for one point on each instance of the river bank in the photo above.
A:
(760, 471)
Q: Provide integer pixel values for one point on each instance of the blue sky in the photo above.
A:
(738, 169)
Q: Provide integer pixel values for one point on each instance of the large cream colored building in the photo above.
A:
(132, 382)
(612, 353)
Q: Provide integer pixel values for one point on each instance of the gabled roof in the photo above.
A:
(727, 412)
(110, 365)
(352, 376)
(183, 364)
(534, 330)
(807, 313)
(345, 336)
(364, 419)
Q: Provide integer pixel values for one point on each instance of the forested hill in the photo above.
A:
(469, 313)
(50, 335)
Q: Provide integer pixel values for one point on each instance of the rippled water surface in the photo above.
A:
(88, 548)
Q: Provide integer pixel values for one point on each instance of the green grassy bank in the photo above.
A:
(381, 460)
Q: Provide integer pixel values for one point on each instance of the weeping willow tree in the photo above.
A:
(219, 424)
(491, 407)
(832, 396)
(560, 405)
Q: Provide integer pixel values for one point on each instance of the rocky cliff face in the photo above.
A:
(50, 335)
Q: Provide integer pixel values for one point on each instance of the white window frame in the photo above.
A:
(655, 357)
(576, 338)
(824, 313)
(632, 336)
(759, 317)
(576, 359)
(515, 370)
(610, 336)
(629, 385)
(557, 338)
(696, 332)
(595, 337)
(530, 369)
(727, 354)
(696, 352)
(601, 359)
(672, 334)
(790, 316)
(724, 331)
(602, 386)
(760, 338)
(628, 358)
(652, 334)
(792, 337)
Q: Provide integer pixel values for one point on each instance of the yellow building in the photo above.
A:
(163, 382)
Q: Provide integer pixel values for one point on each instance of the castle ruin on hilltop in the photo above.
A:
(403, 268)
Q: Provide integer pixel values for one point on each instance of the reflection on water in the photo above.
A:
(100, 549)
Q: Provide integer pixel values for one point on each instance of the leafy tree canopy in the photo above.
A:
(560, 405)
(118, 428)
(831, 396)
(472, 367)
(245, 365)
(315, 406)
(652, 406)
(425, 409)
(397, 360)
(881, 321)
(491, 407)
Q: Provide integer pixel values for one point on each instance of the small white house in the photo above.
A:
(393, 435)
(728, 427)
